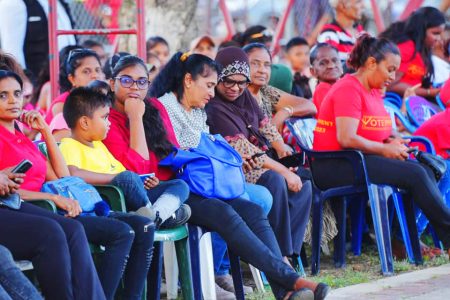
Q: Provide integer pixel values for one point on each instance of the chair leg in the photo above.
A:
(339, 207)
(378, 198)
(171, 269)
(357, 207)
(194, 240)
(206, 270)
(154, 274)
(257, 278)
(184, 266)
(316, 233)
(412, 229)
(237, 276)
(401, 215)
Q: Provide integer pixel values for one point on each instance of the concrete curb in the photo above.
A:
(407, 285)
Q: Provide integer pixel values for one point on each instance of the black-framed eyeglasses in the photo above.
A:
(74, 52)
(229, 83)
(127, 82)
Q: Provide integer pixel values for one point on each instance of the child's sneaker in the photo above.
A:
(179, 217)
(148, 212)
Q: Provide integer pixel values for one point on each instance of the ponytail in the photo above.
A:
(367, 46)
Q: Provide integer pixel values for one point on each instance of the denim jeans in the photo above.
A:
(58, 248)
(13, 284)
(166, 197)
(247, 232)
(289, 215)
(125, 237)
(254, 193)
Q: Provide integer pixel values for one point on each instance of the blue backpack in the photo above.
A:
(212, 170)
(75, 188)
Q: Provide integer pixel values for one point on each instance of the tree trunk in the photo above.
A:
(174, 20)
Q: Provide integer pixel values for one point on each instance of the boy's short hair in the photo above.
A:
(316, 48)
(83, 101)
(296, 41)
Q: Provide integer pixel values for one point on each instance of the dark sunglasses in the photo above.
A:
(127, 82)
(228, 83)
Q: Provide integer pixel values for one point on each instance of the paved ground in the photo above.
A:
(428, 284)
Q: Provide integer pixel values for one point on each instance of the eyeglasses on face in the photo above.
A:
(127, 82)
(229, 83)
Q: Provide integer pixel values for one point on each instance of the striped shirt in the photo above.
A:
(337, 36)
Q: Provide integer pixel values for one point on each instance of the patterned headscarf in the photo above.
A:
(234, 61)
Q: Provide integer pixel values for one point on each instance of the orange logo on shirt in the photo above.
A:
(415, 70)
(376, 122)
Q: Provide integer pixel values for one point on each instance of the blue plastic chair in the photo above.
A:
(419, 109)
(439, 102)
(395, 112)
(394, 99)
(361, 188)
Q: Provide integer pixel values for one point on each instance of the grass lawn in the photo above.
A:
(359, 269)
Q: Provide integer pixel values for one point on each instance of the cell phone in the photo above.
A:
(145, 176)
(22, 167)
(292, 161)
(257, 155)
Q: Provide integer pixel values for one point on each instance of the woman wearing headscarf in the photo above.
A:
(235, 114)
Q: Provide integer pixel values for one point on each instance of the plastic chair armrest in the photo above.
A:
(113, 195)
(46, 204)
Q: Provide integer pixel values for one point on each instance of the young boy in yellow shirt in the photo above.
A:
(86, 112)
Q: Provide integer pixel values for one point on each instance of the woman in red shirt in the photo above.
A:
(56, 245)
(415, 38)
(352, 116)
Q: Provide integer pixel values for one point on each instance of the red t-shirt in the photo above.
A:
(412, 65)
(319, 94)
(437, 130)
(16, 147)
(118, 143)
(348, 98)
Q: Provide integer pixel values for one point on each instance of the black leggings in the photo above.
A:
(411, 176)
(243, 225)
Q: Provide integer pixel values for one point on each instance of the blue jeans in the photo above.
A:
(254, 193)
(128, 242)
(58, 248)
(136, 196)
(13, 284)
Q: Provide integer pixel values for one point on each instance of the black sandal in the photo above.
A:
(321, 291)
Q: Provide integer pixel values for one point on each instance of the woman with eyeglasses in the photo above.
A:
(127, 141)
(81, 66)
(235, 114)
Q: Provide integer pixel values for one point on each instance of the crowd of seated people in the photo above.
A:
(117, 117)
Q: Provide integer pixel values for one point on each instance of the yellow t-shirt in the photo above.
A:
(97, 159)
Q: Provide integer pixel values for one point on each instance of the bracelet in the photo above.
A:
(428, 92)
(289, 109)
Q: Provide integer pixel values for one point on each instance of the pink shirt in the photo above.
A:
(60, 99)
(58, 123)
(118, 143)
(16, 147)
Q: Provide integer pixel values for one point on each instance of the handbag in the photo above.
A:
(212, 170)
(75, 188)
(436, 163)
(11, 201)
